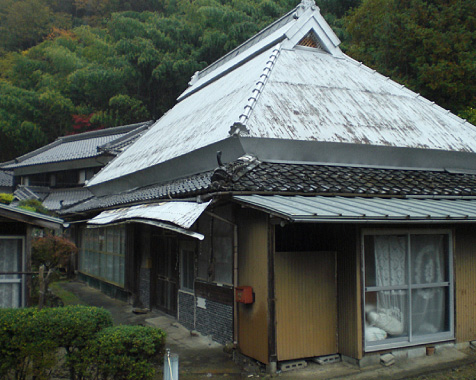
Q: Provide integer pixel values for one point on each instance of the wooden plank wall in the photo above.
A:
(306, 304)
(344, 240)
(465, 282)
(253, 271)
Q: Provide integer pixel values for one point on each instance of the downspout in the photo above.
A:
(235, 272)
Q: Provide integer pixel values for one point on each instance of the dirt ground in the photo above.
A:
(467, 372)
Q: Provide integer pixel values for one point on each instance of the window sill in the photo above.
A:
(405, 344)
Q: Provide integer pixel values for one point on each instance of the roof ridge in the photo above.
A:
(101, 132)
(132, 134)
(239, 127)
(249, 42)
(248, 49)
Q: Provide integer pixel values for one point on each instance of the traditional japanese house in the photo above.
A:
(56, 173)
(294, 202)
(16, 232)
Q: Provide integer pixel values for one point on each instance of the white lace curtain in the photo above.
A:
(391, 270)
(427, 267)
(10, 255)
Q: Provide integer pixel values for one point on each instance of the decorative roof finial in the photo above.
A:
(308, 3)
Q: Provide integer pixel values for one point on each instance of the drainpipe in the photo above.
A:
(235, 272)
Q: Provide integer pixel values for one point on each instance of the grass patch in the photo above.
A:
(67, 297)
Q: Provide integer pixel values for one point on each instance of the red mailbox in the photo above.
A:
(244, 294)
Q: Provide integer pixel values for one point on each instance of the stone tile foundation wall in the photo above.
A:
(211, 318)
(186, 310)
(108, 289)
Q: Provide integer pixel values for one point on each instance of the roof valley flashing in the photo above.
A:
(315, 106)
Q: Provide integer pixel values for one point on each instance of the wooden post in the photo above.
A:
(43, 285)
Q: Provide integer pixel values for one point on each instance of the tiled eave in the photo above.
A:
(252, 176)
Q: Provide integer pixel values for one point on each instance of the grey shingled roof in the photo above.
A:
(58, 199)
(249, 175)
(6, 178)
(118, 145)
(190, 186)
(31, 192)
(326, 179)
(80, 146)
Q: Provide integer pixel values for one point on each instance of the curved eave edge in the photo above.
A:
(155, 223)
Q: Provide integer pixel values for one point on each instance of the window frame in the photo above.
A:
(410, 340)
(95, 256)
(23, 265)
(185, 249)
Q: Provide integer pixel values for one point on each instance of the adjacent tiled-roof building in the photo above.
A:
(55, 173)
(6, 181)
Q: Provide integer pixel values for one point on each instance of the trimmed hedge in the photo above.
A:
(72, 327)
(30, 338)
(123, 352)
(24, 350)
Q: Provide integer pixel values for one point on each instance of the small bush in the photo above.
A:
(24, 348)
(5, 198)
(72, 327)
(123, 352)
(30, 338)
(34, 205)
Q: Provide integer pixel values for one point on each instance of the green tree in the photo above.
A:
(428, 45)
(23, 24)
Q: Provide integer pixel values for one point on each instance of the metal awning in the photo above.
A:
(30, 217)
(363, 210)
(174, 216)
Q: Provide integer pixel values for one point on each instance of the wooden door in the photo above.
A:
(164, 273)
(306, 304)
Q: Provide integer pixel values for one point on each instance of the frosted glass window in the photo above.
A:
(102, 253)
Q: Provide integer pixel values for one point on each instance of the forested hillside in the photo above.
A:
(68, 66)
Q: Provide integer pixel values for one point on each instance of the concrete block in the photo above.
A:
(443, 346)
(369, 361)
(326, 359)
(416, 352)
(400, 354)
(387, 360)
(292, 365)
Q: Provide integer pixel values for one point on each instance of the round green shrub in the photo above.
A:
(30, 338)
(24, 348)
(124, 352)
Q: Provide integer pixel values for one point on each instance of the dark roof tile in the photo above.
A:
(255, 176)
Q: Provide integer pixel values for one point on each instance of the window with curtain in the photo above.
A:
(102, 253)
(408, 288)
(11, 252)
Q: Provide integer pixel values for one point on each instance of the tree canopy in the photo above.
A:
(429, 45)
(67, 66)
(121, 68)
